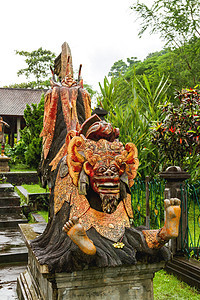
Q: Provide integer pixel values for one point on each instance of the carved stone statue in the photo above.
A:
(2, 137)
(90, 174)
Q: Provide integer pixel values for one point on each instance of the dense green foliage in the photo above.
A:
(171, 63)
(164, 133)
(28, 149)
(177, 134)
(134, 117)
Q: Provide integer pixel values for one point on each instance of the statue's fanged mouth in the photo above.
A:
(108, 187)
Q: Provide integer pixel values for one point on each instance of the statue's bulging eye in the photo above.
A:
(102, 169)
(113, 168)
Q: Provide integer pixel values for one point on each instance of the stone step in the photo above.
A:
(11, 199)
(15, 255)
(6, 187)
(24, 292)
(9, 194)
(10, 209)
(11, 220)
(12, 247)
(188, 271)
(8, 280)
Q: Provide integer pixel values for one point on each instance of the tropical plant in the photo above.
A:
(151, 98)
(177, 135)
(109, 96)
(134, 117)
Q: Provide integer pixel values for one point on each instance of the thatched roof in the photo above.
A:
(13, 101)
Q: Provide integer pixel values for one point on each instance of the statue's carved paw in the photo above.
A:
(68, 225)
(171, 226)
(78, 235)
(172, 202)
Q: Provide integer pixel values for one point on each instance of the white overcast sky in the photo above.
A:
(98, 32)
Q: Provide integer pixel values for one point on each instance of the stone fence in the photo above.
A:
(19, 178)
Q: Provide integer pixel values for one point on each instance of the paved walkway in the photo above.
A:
(8, 280)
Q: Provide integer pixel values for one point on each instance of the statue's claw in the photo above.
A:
(77, 234)
(157, 238)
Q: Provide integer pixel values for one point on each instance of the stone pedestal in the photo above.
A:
(117, 283)
(4, 163)
(175, 188)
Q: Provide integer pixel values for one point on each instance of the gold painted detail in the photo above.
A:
(128, 206)
(100, 221)
(118, 245)
(111, 226)
(86, 102)
(74, 159)
(151, 239)
(62, 192)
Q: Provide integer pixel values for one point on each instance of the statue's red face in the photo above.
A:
(105, 181)
(104, 162)
(105, 177)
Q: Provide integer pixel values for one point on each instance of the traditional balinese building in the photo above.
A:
(12, 105)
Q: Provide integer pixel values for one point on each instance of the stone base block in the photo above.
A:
(4, 163)
(116, 283)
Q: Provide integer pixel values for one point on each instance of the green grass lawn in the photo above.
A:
(167, 286)
(21, 168)
(34, 188)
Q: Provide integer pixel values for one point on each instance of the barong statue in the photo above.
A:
(90, 173)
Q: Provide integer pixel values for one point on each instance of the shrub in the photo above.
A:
(178, 131)
(28, 149)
